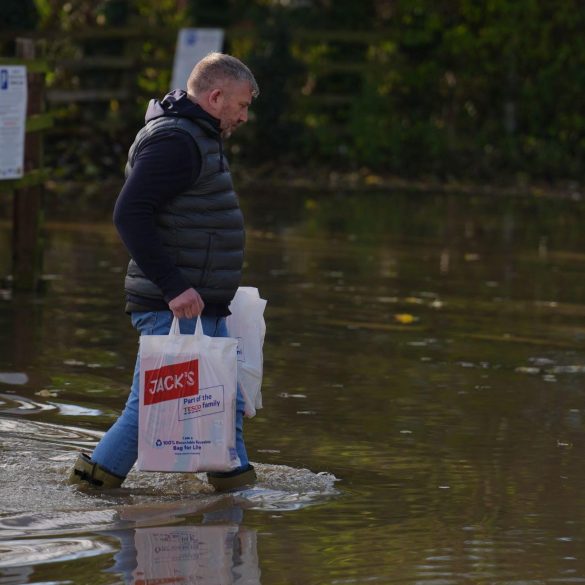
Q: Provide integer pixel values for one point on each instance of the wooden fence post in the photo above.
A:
(26, 240)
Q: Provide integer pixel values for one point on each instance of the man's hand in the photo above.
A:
(187, 305)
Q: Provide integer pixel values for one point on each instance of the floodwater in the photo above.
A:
(423, 391)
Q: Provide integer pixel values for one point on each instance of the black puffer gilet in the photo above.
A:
(202, 229)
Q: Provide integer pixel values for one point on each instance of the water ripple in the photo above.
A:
(11, 404)
(28, 430)
(14, 553)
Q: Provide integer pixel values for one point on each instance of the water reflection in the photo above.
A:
(426, 351)
(13, 378)
(219, 550)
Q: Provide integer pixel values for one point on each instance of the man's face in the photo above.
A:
(233, 111)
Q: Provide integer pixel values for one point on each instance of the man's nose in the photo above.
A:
(244, 116)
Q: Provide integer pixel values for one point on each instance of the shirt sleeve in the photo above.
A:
(165, 166)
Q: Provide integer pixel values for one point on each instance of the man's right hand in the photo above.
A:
(187, 305)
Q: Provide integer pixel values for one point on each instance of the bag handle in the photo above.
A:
(199, 326)
(175, 329)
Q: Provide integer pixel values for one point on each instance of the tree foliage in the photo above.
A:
(410, 87)
(476, 87)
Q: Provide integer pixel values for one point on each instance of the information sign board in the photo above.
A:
(13, 99)
(192, 45)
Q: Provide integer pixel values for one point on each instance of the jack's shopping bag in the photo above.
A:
(246, 323)
(187, 406)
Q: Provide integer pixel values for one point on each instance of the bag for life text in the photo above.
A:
(246, 323)
(188, 386)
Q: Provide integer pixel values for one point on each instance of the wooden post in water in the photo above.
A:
(26, 227)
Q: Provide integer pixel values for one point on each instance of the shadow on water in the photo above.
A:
(423, 395)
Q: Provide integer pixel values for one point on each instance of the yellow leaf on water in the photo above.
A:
(404, 318)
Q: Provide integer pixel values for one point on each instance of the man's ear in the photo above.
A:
(216, 98)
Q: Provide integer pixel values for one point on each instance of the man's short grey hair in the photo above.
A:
(215, 68)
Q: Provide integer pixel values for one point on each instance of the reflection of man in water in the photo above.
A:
(179, 217)
(219, 550)
(3, 78)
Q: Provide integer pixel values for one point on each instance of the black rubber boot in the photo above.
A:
(88, 474)
(231, 480)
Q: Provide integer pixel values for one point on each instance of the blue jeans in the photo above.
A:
(118, 450)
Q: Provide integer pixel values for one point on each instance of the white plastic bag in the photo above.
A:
(246, 324)
(187, 402)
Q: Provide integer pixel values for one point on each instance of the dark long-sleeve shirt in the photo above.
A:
(168, 164)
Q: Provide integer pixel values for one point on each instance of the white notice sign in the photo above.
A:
(192, 45)
(13, 97)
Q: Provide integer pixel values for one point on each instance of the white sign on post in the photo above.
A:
(192, 45)
(13, 98)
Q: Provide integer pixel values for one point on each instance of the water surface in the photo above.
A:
(423, 395)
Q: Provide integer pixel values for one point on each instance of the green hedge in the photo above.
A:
(461, 88)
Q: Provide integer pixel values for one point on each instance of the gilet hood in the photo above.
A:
(176, 103)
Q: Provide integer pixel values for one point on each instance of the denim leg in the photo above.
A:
(118, 449)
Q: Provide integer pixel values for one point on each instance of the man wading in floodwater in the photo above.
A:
(179, 218)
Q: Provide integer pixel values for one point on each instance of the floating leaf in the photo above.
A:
(404, 318)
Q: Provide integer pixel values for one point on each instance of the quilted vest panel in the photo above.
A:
(202, 229)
